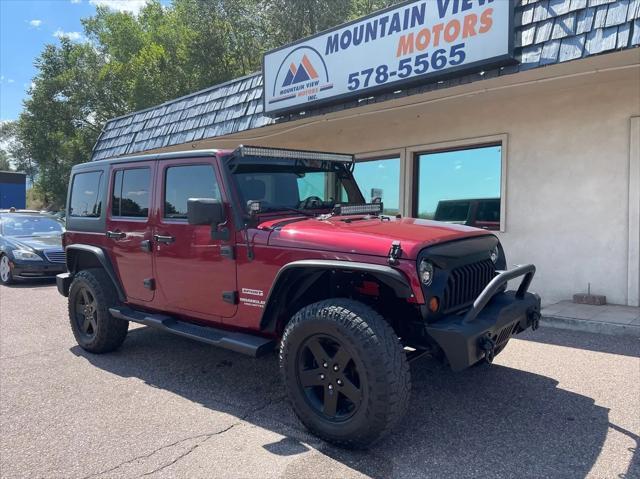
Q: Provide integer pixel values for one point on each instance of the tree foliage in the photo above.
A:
(131, 62)
(290, 20)
(7, 133)
(5, 164)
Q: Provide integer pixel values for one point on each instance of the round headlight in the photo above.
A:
(495, 254)
(425, 271)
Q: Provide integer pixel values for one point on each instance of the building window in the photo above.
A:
(380, 179)
(184, 182)
(131, 193)
(461, 186)
(85, 199)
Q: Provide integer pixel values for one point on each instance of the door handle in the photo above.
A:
(164, 239)
(116, 234)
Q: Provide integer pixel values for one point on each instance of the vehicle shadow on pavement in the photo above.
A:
(31, 283)
(622, 345)
(483, 422)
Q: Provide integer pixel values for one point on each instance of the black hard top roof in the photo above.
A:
(152, 157)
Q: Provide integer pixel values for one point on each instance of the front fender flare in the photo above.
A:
(391, 277)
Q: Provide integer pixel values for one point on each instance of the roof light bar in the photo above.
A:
(294, 154)
(365, 209)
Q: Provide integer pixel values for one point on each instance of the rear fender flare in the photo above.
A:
(101, 257)
(393, 278)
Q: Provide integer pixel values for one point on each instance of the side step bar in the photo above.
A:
(239, 342)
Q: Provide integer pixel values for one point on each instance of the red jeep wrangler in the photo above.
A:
(260, 249)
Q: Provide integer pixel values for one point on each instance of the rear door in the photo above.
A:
(195, 275)
(129, 230)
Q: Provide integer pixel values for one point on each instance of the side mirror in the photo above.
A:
(205, 211)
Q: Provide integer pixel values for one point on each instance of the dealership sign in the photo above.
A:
(415, 42)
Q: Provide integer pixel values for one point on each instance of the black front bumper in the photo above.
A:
(63, 283)
(39, 269)
(485, 329)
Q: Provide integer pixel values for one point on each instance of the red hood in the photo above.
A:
(369, 236)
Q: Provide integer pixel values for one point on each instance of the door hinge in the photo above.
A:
(230, 297)
(227, 252)
(150, 284)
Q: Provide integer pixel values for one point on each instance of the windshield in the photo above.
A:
(285, 184)
(23, 225)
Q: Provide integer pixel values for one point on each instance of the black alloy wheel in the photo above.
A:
(329, 377)
(86, 313)
(345, 372)
(91, 295)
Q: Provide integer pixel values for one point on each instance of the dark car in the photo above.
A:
(478, 212)
(30, 246)
(261, 248)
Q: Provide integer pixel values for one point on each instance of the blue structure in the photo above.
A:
(13, 190)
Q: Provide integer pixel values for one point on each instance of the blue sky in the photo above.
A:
(26, 26)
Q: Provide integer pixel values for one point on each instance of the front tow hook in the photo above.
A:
(487, 345)
(533, 316)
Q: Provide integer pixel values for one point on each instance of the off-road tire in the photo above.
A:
(375, 348)
(109, 332)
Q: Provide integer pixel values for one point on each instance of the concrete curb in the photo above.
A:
(589, 326)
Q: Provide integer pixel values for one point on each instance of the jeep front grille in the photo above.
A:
(465, 283)
(56, 256)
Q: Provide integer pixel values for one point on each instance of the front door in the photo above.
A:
(192, 273)
(129, 231)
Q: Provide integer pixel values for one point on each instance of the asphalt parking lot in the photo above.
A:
(554, 404)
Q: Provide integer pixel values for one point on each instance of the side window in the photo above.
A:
(184, 182)
(130, 196)
(85, 195)
(450, 182)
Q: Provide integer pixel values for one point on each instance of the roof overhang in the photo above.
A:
(293, 133)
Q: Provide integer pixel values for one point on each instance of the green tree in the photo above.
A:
(291, 20)
(13, 150)
(365, 7)
(5, 138)
(7, 145)
(57, 128)
(224, 40)
(5, 164)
